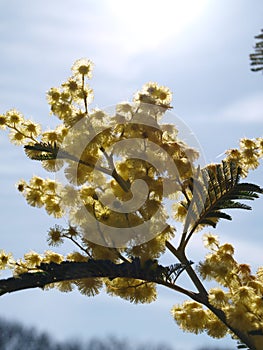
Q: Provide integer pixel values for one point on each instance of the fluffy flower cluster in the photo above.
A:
(97, 169)
(192, 317)
(42, 193)
(66, 102)
(239, 296)
(135, 291)
(248, 155)
(6, 260)
(154, 94)
(22, 130)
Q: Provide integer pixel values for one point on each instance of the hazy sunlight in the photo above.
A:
(147, 24)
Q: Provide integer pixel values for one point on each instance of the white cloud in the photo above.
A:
(246, 110)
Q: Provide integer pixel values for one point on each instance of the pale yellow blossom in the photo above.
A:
(210, 241)
(83, 67)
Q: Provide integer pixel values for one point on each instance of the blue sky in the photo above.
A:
(200, 52)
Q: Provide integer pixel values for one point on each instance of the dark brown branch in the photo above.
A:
(180, 255)
(68, 270)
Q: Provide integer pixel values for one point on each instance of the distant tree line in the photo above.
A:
(15, 336)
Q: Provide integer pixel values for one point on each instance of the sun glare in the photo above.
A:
(146, 24)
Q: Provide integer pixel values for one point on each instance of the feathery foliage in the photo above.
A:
(217, 188)
(256, 58)
(42, 151)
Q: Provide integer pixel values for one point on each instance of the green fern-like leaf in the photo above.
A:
(256, 58)
(42, 151)
(216, 190)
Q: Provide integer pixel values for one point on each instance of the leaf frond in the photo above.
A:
(42, 151)
(217, 189)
